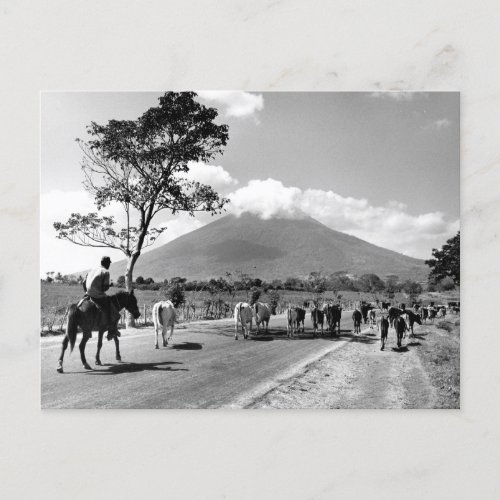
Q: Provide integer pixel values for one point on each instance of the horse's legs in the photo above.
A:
(61, 357)
(117, 345)
(171, 332)
(99, 347)
(85, 338)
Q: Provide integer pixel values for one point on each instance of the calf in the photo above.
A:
(243, 316)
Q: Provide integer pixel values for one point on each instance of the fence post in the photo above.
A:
(145, 320)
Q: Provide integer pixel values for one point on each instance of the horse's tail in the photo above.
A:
(72, 328)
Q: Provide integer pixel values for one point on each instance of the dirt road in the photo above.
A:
(206, 368)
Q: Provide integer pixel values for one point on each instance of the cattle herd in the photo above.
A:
(327, 317)
(382, 316)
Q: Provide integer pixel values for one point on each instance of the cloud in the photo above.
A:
(389, 226)
(212, 175)
(236, 103)
(65, 257)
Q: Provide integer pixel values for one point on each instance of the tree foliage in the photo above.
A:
(143, 164)
(446, 262)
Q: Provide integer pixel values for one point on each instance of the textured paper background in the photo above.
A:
(259, 45)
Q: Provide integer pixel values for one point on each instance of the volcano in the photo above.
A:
(269, 249)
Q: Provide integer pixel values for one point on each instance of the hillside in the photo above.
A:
(269, 249)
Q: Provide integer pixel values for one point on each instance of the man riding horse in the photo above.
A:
(96, 285)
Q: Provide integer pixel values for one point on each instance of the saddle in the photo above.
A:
(89, 298)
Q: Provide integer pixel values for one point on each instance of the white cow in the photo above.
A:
(243, 315)
(291, 321)
(262, 314)
(164, 314)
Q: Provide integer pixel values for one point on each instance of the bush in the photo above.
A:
(446, 284)
(274, 298)
(175, 292)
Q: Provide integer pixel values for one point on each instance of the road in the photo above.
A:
(203, 368)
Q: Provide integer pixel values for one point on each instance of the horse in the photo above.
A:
(243, 315)
(262, 313)
(164, 315)
(400, 327)
(89, 318)
(357, 317)
(383, 327)
(411, 319)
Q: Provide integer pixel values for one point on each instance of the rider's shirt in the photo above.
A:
(97, 282)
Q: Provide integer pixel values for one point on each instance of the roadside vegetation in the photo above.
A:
(440, 356)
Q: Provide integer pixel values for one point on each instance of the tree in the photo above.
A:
(139, 280)
(446, 262)
(142, 165)
(370, 283)
(255, 295)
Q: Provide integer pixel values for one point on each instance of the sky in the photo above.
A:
(383, 166)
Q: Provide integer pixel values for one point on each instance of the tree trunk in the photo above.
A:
(129, 319)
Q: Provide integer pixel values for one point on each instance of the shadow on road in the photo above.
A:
(137, 367)
(413, 344)
(400, 349)
(187, 346)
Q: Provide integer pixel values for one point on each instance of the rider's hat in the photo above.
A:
(105, 260)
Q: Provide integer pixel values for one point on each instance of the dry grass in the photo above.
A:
(440, 355)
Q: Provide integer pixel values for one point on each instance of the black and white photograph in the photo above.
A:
(261, 250)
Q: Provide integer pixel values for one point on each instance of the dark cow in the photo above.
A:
(432, 311)
(424, 314)
(357, 317)
(383, 328)
(317, 318)
(385, 306)
(301, 316)
(400, 327)
(411, 319)
(333, 314)
(364, 311)
(394, 313)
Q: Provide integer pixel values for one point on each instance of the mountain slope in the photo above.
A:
(269, 249)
